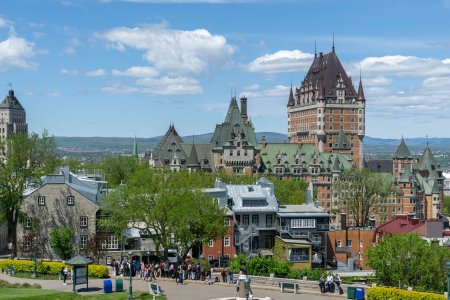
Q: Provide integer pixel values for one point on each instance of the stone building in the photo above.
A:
(12, 117)
(60, 201)
(326, 110)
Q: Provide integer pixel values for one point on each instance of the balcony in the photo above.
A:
(343, 249)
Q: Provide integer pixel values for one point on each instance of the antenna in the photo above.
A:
(10, 85)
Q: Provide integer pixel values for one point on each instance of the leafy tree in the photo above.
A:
(407, 260)
(95, 246)
(289, 191)
(62, 242)
(359, 191)
(118, 169)
(447, 205)
(23, 160)
(169, 206)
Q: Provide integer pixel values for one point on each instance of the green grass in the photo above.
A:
(40, 276)
(38, 294)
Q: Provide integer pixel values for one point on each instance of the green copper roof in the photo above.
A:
(78, 260)
(402, 151)
(406, 176)
(341, 142)
(232, 127)
(427, 162)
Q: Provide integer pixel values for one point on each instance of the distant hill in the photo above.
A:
(87, 147)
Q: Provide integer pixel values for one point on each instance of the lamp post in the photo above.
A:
(33, 245)
(219, 253)
(130, 287)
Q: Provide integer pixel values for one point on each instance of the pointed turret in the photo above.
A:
(291, 101)
(341, 142)
(134, 153)
(402, 150)
(193, 158)
(360, 91)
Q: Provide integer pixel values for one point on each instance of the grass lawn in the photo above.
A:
(38, 294)
(40, 276)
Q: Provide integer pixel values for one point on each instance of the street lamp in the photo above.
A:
(130, 287)
(218, 253)
(33, 245)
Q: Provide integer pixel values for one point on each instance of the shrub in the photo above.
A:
(54, 268)
(383, 293)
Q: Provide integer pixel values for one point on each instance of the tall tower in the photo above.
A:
(326, 109)
(12, 117)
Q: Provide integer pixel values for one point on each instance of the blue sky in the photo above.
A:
(125, 68)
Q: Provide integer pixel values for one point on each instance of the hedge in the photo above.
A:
(383, 293)
(54, 268)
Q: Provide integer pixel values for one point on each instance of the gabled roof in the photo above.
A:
(193, 159)
(169, 147)
(11, 102)
(379, 165)
(341, 141)
(402, 151)
(401, 224)
(203, 153)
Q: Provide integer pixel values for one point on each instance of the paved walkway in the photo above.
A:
(192, 290)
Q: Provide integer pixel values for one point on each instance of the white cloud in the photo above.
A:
(281, 61)
(137, 71)
(251, 87)
(96, 73)
(276, 91)
(376, 81)
(3, 22)
(164, 86)
(72, 44)
(69, 72)
(52, 94)
(175, 52)
(15, 52)
(69, 50)
(400, 65)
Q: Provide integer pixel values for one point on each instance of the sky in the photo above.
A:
(129, 68)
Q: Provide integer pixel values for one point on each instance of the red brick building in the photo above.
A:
(221, 247)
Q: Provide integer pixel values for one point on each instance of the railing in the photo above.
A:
(343, 249)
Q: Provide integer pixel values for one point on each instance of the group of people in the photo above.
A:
(330, 283)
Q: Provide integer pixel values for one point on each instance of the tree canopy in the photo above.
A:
(359, 191)
(169, 206)
(408, 261)
(290, 191)
(62, 242)
(23, 160)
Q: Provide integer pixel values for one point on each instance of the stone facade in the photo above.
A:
(326, 110)
(12, 117)
(62, 201)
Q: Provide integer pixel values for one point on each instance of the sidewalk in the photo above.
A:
(193, 290)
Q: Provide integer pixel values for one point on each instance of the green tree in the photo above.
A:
(289, 191)
(407, 260)
(447, 205)
(360, 191)
(170, 207)
(62, 242)
(118, 169)
(23, 160)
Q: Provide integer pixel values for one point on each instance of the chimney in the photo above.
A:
(244, 109)
(264, 141)
(343, 220)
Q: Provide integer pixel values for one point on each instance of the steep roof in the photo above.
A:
(379, 165)
(232, 126)
(328, 69)
(193, 159)
(402, 151)
(203, 153)
(291, 100)
(360, 91)
(428, 163)
(341, 141)
(169, 146)
(11, 102)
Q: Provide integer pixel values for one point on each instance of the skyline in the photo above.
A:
(132, 67)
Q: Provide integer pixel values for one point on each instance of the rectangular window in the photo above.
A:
(339, 243)
(41, 200)
(299, 254)
(349, 243)
(226, 241)
(27, 222)
(211, 244)
(70, 200)
(111, 243)
(269, 221)
(226, 221)
(245, 220)
(255, 220)
(210, 257)
(299, 223)
(83, 242)
(83, 221)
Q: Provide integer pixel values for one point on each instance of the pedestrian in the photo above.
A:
(230, 275)
(322, 283)
(224, 276)
(64, 274)
(338, 281)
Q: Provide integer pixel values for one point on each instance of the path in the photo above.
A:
(193, 290)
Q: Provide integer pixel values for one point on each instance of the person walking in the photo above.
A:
(338, 282)
(65, 271)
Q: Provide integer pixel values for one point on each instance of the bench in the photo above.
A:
(289, 285)
(155, 290)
